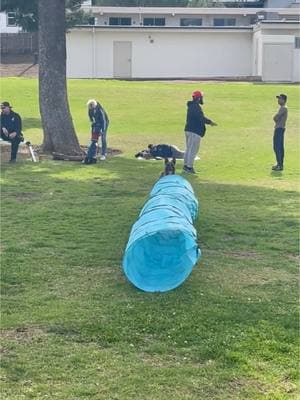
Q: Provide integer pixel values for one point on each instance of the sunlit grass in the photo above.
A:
(73, 327)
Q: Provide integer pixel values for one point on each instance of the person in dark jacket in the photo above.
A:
(11, 129)
(159, 151)
(194, 130)
(165, 151)
(99, 125)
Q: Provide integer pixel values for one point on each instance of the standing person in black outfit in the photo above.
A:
(100, 121)
(11, 129)
(278, 139)
(194, 130)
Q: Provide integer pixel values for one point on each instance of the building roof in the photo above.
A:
(188, 10)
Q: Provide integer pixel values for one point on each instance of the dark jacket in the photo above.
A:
(98, 118)
(161, 150)
(12, 122)
(195, 119)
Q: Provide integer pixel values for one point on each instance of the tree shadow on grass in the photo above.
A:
(30, 123)
(78, 228)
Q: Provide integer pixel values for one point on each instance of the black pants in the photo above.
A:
(278, 145)
(14, 146)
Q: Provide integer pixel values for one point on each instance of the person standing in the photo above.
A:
(278, 139)
(194, 130)
(11, 129)
(100, 122)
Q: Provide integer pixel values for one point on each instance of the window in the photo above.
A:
(190, 21)
(119, 21)
(11, 19)
(224, 21)
(297, 42)
(154, 21)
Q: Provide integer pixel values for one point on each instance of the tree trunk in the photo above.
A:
(59, 132)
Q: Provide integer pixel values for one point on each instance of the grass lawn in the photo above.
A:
(74, 328)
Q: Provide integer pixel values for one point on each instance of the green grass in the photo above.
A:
(74, 328)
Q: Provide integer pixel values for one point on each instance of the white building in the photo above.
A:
(8, 23)
(188, 43)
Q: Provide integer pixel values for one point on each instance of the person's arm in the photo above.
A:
(4, 131)
(17, 127)
(99, 119)
(209, 121)
(91, 115)
(18, 124)
(279, 115)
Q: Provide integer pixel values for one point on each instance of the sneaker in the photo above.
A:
(189, 170)
(277, 168)
(88, 161)
(102, 158)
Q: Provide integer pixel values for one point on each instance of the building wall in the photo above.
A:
(161, 54)
(296, 65)
(207, 19)
(278, 3)
(3, 25)
(275, 57)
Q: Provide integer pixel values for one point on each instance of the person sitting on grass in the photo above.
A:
(160, 151)
(11, 129)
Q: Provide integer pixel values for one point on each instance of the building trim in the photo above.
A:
(187, 10)
(248, 28)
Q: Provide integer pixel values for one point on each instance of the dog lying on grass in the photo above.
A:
(169, 167)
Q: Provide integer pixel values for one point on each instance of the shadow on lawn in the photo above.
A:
(29, 123)
(209, 315)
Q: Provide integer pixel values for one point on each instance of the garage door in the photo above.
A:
(277, 62)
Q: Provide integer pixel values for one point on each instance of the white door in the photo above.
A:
(122, 59)
(277, 62)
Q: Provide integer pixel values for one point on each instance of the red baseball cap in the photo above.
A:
(196, 94)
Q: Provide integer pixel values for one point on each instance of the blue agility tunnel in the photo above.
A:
(162, 247)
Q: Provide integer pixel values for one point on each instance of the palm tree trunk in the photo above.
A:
(59, 132)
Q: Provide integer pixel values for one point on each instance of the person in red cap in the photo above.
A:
(11, 129)
(194, 130)
(278, 139)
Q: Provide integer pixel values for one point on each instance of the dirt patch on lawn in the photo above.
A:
(242, 277)
(242, 254)
(24, 154)
(26, 196)
(23, 334)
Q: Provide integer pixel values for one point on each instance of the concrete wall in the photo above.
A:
(207, 20)
(3, 25)
(296, 65)
(275, 57)
(161, 54)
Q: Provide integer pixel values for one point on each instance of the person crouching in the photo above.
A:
(99, 124)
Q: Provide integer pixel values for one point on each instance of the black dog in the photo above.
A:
(169, 167)
(144, 154)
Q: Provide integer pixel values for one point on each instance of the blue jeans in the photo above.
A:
(14, 145)
(96, 132)
(103, 143)
(278, 145)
